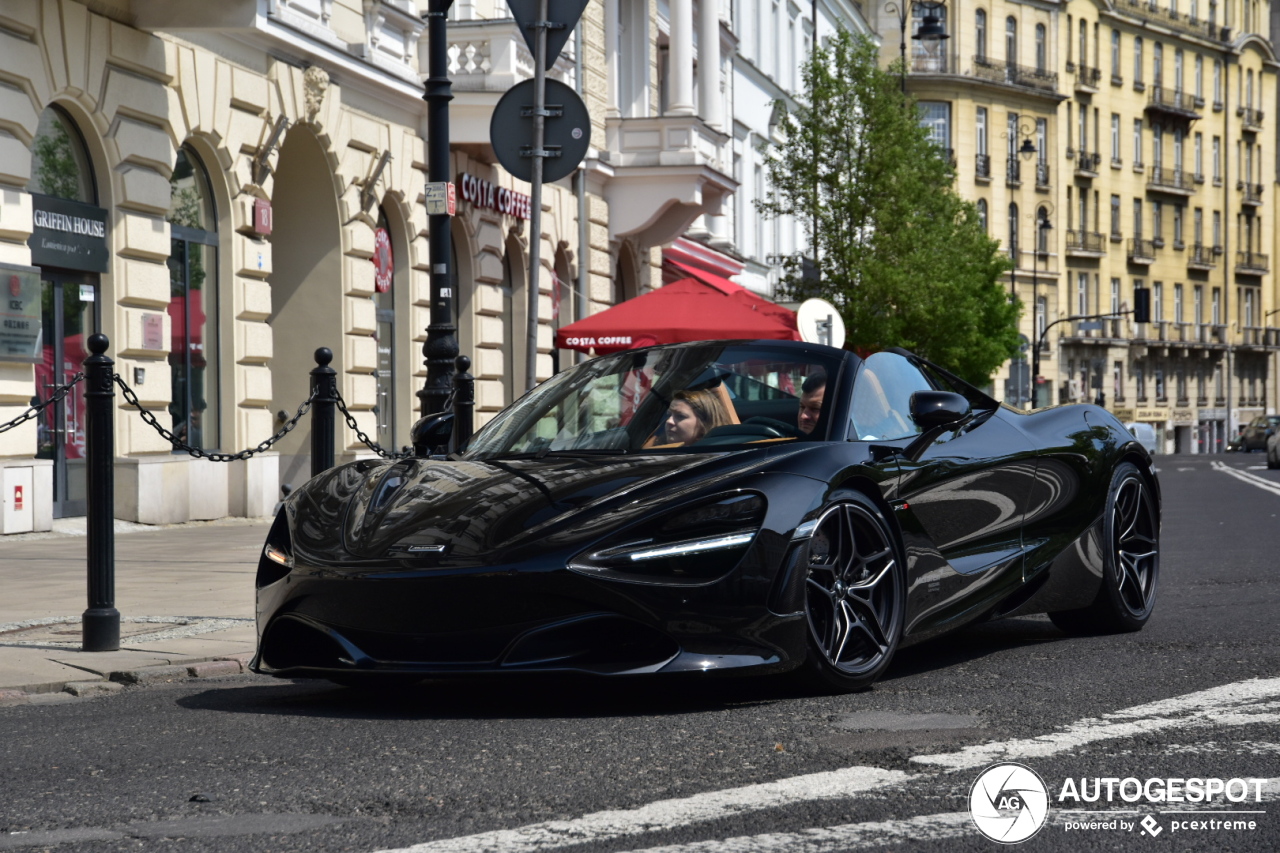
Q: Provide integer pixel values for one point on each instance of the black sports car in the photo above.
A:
(730, 505)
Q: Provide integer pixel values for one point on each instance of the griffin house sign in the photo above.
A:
(68, 234)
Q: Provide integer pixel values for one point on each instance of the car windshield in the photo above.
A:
(685, 398)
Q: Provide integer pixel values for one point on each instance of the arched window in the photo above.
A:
(1013, 233)
(1042, 58)
(1011, 39)
(1042, 230)
(982, 214)
(193, 304)
(980, 33)
(59, 165)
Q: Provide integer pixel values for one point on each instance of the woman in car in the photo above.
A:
(693, 414)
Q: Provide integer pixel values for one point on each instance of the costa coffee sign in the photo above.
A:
(481, 193)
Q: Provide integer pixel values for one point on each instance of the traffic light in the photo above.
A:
(1141, 305)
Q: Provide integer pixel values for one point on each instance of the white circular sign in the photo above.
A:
(820, 323)
(1009, 803)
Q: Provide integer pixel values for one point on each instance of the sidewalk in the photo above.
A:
(184, 592)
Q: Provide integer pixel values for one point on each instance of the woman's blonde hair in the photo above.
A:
(708, 408)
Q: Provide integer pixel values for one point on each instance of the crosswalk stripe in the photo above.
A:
(1241, 703)
(1252, 479)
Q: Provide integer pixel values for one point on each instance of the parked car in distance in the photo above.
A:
(1255, 434)
(1146, 435)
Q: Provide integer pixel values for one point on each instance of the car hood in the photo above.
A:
(420, 512)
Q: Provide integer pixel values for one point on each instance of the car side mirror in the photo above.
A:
(931, 409)
(432, 434)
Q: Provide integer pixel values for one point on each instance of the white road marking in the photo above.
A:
(1186, 469)
(877, 834)
(1258, 468)
(1242, 703)
(1252, 479)
(670, 814)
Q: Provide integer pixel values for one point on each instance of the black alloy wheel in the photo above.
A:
(1131, 561)
(855, 596)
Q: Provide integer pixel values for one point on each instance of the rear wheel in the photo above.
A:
(1131, 561)
(855, 596)
(1273, 450)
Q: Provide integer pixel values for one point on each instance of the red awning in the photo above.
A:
(685, 310)
(780, 313)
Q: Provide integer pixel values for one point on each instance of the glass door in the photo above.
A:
(69, 317)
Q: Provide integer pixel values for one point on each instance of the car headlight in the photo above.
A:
(690, 545)
(277, 555)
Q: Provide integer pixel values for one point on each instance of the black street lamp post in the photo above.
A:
(932, 32)
(1042, 225)
(441, 347)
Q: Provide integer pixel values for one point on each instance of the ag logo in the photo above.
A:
(1009, 803)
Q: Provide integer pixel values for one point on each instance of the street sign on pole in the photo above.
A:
(440, 198)
(566, 131)
(562, 15)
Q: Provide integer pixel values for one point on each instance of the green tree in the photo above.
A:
(906, 261)
(56, 168)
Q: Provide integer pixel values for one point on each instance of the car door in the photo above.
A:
(962, 490)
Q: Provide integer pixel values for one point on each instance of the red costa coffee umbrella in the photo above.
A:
(685, 310)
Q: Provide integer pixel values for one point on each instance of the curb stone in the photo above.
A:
(63, 691)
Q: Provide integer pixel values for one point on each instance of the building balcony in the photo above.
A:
(1087, 163)
(1013, 171)
(1251, 119)
(1203, 257)
(1087, 79)
(1172, 103)
(1174, 181)
(1252, 193)
(1254, 337)
(666, 171)
(1018, 76)
(491, 56)
(928, 65)
(1152, 11)
(1141, 251)
(982, 167)
(1086, 244)
(1252, 263)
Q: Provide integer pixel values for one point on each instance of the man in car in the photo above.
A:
(811, 401)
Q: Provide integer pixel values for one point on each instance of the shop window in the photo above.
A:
(193, 278)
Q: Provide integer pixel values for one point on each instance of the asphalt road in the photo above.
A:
(248, 763)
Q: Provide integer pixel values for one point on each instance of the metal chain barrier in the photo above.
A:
(132, 399)
(368, 442)
(35, 410)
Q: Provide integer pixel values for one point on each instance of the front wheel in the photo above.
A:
(1131, 561)
(855, 596)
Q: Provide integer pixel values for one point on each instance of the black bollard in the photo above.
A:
(324, 404)
(464, 403)
(100, 624)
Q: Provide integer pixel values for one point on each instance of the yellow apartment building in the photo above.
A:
(1113, 146)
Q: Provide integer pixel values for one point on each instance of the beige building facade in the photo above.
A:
(1152, 157)
(223, 188)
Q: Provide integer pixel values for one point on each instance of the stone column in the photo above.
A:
(709, 103)
(680, 59)
(612, 72)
